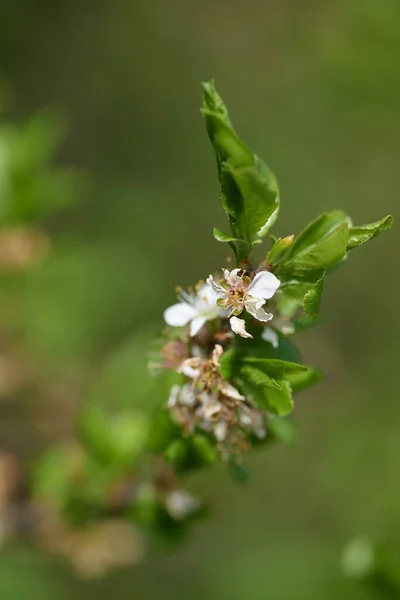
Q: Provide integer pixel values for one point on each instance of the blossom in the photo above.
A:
(237, 292)
(195, 309)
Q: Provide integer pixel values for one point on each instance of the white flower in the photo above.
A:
(238, 293)
(195, 309)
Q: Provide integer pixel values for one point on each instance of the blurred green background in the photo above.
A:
(314, 88)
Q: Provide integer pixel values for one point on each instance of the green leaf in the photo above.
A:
(278, 369)
(290, 296)
(236, 364)
(249, 191)
(252, 374)
(276, 398)
(312, 299)
(279, 249)
(364, 233)
(229, 363)
(243, 246)
(305, 379)
(322, 244)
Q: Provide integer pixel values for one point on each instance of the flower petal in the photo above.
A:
(216, 287)
(238, 326)
(179, 314)
(196, 324)
(231, 277)
(254, 306)
(264, 285)
(270, 335)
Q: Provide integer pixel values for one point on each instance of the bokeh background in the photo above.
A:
(314, 88)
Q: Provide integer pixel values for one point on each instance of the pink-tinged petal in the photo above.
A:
(179, 315)
(254, 306)
(238, 326)
(216, 287)
(196, 324)
(264, 285)
(270, 335)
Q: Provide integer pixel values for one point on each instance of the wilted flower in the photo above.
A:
(237, 292)
(211, 403)
(195, 309)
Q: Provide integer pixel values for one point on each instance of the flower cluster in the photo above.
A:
(204, 400)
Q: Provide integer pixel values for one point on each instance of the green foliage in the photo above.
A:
(268, 381)
(249, 191)
(320, 245)
(279, 249)
(364, 233)
(312, 298)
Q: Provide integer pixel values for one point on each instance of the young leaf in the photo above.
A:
(279, 249)
(321, 244)
(305, 379)
(312, 299)
(238, 246)
(364, 233)
(249, 190)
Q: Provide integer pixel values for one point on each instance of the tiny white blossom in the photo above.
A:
(271, 336)
(239, 293)
(180, 504)
(195, 309)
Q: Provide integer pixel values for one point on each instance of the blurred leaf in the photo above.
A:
(312, 299)
(191, 453)
(283, 429)
(56, 472)
(321, 244)
(364, 233)
(113, 439)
